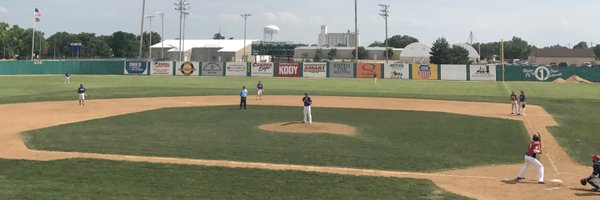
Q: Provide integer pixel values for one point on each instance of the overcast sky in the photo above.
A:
(541, 22)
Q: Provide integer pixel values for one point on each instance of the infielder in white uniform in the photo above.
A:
(307, 113)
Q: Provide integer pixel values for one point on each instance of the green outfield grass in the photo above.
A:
(575, 106)
(97, 179)
(391, 140)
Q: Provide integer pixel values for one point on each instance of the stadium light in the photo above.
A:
(385, 13)
(182, 7)
(150, 17)
(245, 16)
(162, 34)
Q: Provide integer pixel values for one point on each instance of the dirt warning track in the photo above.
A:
(488, 182)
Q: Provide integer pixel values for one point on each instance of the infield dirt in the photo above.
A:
(487, 182)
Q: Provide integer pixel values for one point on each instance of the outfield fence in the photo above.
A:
(475, 72)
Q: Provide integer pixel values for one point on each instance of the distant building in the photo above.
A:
(473, 54)
(336, 39)
(203, 50)
(416, 53)
(343, 53)
(557, 56)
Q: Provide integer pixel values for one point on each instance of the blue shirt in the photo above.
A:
(522, 98)
(596, 169)
(81, 90)
(260, 86)
(244, 93)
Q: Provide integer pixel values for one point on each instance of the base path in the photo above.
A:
(486, 182)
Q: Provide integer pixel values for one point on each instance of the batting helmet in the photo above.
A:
(596, 158)
(536, 137)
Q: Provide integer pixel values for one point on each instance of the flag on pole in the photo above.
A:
(37, 15)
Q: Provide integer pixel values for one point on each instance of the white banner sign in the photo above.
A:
(314, 70)
(236, 69)
(262, 69)
(482, 72)
(187, 69)
(162, 68)
(396, 71)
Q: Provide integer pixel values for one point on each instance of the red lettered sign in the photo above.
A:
(288, 70)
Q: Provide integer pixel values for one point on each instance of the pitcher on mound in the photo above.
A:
(307, 113)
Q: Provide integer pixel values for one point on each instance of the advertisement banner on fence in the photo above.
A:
(136, 67)
(212, 69)
(288, 70)
(341, 70)
(263, 69)
(162, 68)
(366, 70)
(396, 71)
(453, 72)
(424, 72)
(482, 73)
(236, 69)
(314, 70)
(187, 68)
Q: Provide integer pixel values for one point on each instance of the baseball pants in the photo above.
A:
(536, 163)
(307, 115)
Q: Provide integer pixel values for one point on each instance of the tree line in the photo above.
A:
(15, 43)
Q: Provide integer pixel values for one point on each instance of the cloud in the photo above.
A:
(3, 10)
(282, 17)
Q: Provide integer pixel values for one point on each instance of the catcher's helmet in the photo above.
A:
(536, 137)
(596, 158)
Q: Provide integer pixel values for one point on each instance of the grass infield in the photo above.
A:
(391, 140)
(98, 179)
(574, 106)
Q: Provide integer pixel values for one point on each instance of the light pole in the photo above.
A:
(185, 14)
(162, 34)
(142, 28)
(385, 13)
(150, 36)
(356, 30)
(245, 16)
(182, 6)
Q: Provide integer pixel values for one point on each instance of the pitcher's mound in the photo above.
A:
(315, 127)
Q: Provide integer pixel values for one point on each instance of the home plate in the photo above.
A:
(556, 182)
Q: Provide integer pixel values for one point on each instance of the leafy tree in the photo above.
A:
(318, 55)
(332, 54)
(362, 53)
(517, 48)
(390, 53)
(377, 44)
(440, 52)
(218, 36)
(581, 45)
(557, 46)
(124, 44)
(400, 41)
(458, 55)
(597, 50)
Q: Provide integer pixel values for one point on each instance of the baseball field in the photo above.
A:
(150, 137)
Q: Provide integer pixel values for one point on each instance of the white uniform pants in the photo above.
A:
(307, 115)
(521, 108)
(536, 163)
(515, 108)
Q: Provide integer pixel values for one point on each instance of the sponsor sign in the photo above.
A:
(453, 72)
(314, 70)
(482, 72)
(424, 72)
(288, 70)
(396, 71)
(136, 67)
(341, 70)
(236, 69)
(262, 69)
(212, 69)
(187, 68)
(542, 73)
(162, 68)
(366, 70)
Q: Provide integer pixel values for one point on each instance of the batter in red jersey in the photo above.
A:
(530, 159)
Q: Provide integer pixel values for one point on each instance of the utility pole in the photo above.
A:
(385, 13)
(245, 16)
(150, 37)
(182, 6)
(142, 28)
(162, 34)
(356, 30)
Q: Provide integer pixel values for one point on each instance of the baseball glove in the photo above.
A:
(583, 182)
